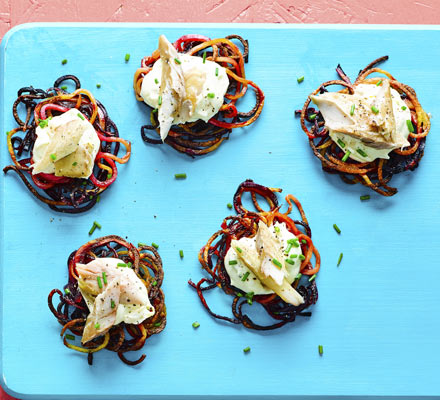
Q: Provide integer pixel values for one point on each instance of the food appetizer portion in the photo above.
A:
(371, 130)
(192, 88)
(113, 299)
(262, 257)
(65, 147)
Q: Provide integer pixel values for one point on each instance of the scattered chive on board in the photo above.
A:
(365, 197)
(247, 349)
(340, 259)
(229, 205)
(63, 87)
(155, 245)
(70, 337)
(181, 253)
(320, 350)
(195, 324)
(180, 176)
(127, 57)
(336, 228)
(64, 62)
(300, 79)
(98, 85)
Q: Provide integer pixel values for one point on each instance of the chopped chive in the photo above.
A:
(320, 350)
(204, 57)
(410, 125)
(233, 262)
(341, 143)
(127, 57)
(156, 81)
(247, 349)
(239, 250)
(365, 197)
(340, 259)
(63, 87)
(229, 205)
(92, 229)
(238, 294)
(346, 155)
(98, 225)
(352, 109)
(336, 228)
(90, 197)
(312, 278)
(43, 123)
(288, 248)
(303, 241)
(8, 132)
(81, 116)
(379, 83)
(70, 337)
(404, 108)
(312, 117)
(361, 152)
(98, 278)
(180, 176)
(155, 245)
(140, 244)
(98, 85)
(216, 72)
(249, 301)
(154, 283)
(298, 276)
(295, 242)
(104, 277)
(109, 176)
(292, 241)
(129, 265)
(53, 157)
(300, 79)
(181, 253)
(98, 199)
(250, 295)
(75, 164)
(211, 95)
(121, 265)
(67, 291)
(293, 255)
(375, 109)
(277, 263)
(195, 325)
(159, 100)
(112, 304)
(157, 324)
(154, 111)
(301, 257)
(245, 276)
(289, 261)
(64, 62)
(277, 229)
(97, 326)
(177, 61)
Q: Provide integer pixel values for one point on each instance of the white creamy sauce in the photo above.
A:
(237, 271)
(374, 134)
(66, 146)
(187, 88)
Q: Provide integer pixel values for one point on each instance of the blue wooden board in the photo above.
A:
(378, 313)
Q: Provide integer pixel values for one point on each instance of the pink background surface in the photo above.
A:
(15, 12)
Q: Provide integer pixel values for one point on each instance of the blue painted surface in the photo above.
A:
(378, 313)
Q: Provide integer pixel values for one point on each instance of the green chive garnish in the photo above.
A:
(312, 117)
(43, 123)
(211, 95)
(298, 276)
(341, 143)
(156, 81)
(300, 79)
(404, 108)
(312, 278)
(276, 229)
(180, 176)
(75, 164)
(154, 283)
(64, 62)
(375, 109)
(98, 278)
(181, 253)
(229, 205)
(127, 57)
(289, 261)
(239, 250)
(97, 326)
(288, 248)
(155, 245)
(352, 109)
(216, 72)
(104, 277)
(245, 276)
(154, 111)
(81, 116)
(159, 100)
(195, 325)
(84, 183)
(277, 263)
(121, 265)
(98, 225)
(233, 262)
(346, 155)
(293, 255)
(63, 87)
(301, 257)
(140, 244)
(53, 157)
(340, 259)
(410, 125)
(98, 85)
(67, 291)
(247, 349)
(70, 337)
(379, 83)
(361, 152)
(365, 197)
(204, 57)
(177, 61)
(303, 241)
(157, 324)
(112, 304)
(320, 350)
(336, 228)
